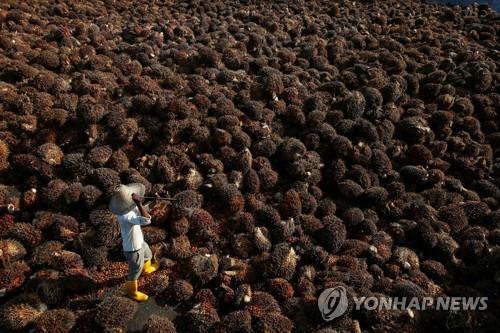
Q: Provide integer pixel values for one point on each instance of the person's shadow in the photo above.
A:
(145, 310)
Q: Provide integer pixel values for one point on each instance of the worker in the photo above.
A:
(126, 203)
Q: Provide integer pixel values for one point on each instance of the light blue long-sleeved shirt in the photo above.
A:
(130, 228)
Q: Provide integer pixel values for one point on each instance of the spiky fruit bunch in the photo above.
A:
(48, 285)
(181, 290)
(106, 179)
(98, 156)
(11, 250)
(57, 321)
(274, 322)
(6, 223)
(4, 156)
(101, 216)
(114, 312)
(26, 234)
(237, 321)
(204, 267)
(159, 324)
(91, 195)
(185, 203)
(10, 198)
(13, 275)
(201, 318)
(43, 253)
(18, 317)
(65, 260)
(50, 153)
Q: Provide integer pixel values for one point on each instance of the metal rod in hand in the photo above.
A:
(159, 198)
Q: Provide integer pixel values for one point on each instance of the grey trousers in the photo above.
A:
(136, 259)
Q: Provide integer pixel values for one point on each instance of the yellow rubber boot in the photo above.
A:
(131, 289)
(149, 267)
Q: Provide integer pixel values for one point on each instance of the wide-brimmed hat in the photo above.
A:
(121, 202)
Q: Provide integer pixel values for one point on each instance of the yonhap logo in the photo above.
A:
(333, 303)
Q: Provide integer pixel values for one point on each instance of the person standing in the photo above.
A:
(126, 203)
